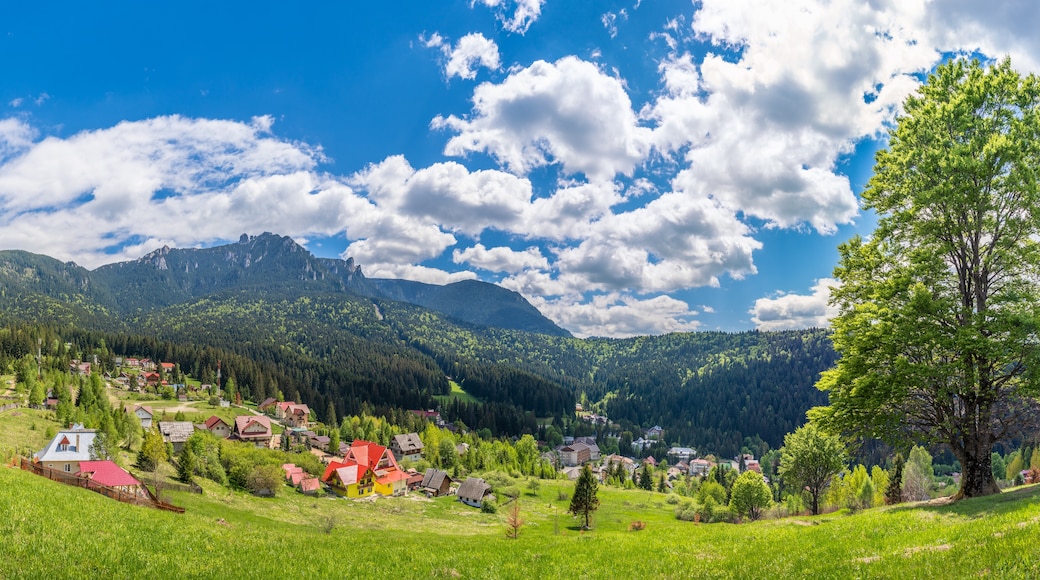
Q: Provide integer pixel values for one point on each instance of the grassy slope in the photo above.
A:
(54, 531)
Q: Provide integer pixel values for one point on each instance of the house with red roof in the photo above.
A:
(368, 468)
(292, 414)
(167, 367)
(109, 474)
(255, 429)
(217, 426)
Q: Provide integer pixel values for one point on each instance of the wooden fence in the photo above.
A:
(146, 498)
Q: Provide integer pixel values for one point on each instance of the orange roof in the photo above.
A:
(368, 453)
(391, 476)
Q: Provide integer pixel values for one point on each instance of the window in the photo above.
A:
(68, 467)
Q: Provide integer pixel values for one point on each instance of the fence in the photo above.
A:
(145, 498)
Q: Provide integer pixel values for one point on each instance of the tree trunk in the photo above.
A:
(976, 469)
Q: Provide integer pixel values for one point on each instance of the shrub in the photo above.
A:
(562, 495)
(488, 508)
(637, 526)
(672, 499)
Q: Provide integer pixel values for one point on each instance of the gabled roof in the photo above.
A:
(296, 478)
(310, 484)
(78, 441)
(269, 401)
(348, 473)
(369, 454)
(242, 422)
(143, 408)
(213, 421)
(434, 478)
(106, 473)
(408, 443)
(176, 431)
(473, 489)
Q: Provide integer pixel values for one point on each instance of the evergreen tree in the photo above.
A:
(894, 493)
(186, 464)
(646, 479)
(584, 501)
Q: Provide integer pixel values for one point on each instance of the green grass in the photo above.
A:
(457, 392)
(54, 531)
(24, 430)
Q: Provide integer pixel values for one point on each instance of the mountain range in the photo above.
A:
(318, 330)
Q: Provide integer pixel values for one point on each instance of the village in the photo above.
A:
(356, 469)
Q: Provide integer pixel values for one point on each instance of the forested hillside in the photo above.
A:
(317, 330)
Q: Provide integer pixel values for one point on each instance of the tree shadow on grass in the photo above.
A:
(982, 506)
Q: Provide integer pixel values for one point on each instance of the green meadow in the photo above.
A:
(53, 531)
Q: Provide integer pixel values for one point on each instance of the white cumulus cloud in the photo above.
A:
(791, 311)
(515, 15)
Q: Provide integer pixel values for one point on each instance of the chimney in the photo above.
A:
(77, 442)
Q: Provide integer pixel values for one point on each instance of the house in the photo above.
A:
(429, 415)
(700, 467)
(641, 444)
(254, 429)
(752, 465)
(133, 362)
(576, 454)
(111, 475)
(414, 480)
(612, 461)
(292, 414)
(67, 449)
(349, 479)
(655, 432)
(315, 441)
(474, 492)
(677, 454)
(267, 405)
(167, 367)
(176, 432)
(217, 426)
(82, 368)
(150, 379)
(390, 479)
(144, 414)
(407, 446)
(435, 483)
(651, 461)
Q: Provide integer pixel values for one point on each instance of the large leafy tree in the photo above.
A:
(937, 326)
(809, 460)
(750, 495)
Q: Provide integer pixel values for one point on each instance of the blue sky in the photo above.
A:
(631, 168)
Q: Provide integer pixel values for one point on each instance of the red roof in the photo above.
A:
(310, 484)
(64, 441)
(369, 454)
(106, 473)
(242, 422)
(297, 477)
(212, 422)
(167, 366)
